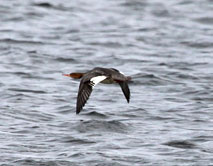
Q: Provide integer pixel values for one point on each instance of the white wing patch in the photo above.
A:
(95, 80)
(121, 72)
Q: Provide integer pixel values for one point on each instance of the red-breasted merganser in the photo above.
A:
(93, 77)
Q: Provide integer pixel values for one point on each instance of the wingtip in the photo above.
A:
(128, 99)
(78, 111)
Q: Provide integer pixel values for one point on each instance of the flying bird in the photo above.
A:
(95, 76)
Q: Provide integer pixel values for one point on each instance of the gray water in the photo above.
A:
(165, 46)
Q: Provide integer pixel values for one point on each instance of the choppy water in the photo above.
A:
(166, 46)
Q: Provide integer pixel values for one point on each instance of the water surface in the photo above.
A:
(166, 46)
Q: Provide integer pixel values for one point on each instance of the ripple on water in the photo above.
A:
(96, 115)
(27, 90)
(148, 80)
(34, 162)
(205, 20)
(14, 41)
(101, 126)
(43, 4)
(197, 44)
(63, 59)
(184, 144)
(74, 140)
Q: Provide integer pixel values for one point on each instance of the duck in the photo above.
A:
(98, 75)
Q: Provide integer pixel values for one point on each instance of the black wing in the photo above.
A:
(125, 88)
(84, 92)
(85, 89)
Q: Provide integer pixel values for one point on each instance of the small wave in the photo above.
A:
(203, 44)
(96, 114)
(183, 65)
(107, 44)
(205, 20)
(109, 163)
(76, 140)
(61, 59)
(160, 11)
(186, 76)
(101, 126)
(43, 4)
(135, 5)
(149, 79)
(180, 144)
(26, 90)
(44, 162)
(12, 41)
(48, 5)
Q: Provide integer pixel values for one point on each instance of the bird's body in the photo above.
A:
(95, 76)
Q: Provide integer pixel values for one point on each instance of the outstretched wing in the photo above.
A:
(85, 89)
(125, 88)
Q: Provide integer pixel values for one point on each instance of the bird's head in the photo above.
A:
(74, 75)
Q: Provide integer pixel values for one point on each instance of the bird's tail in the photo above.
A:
(129, 78)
